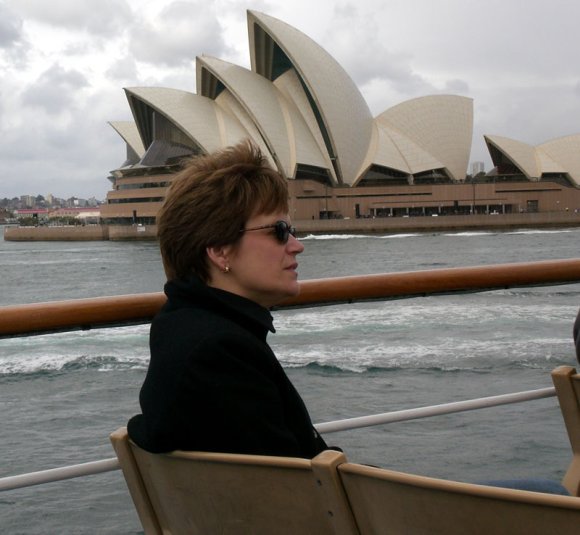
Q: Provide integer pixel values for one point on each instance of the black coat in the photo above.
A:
(214, 384)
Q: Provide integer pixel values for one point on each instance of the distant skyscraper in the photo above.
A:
(27, 200)
(477, 167)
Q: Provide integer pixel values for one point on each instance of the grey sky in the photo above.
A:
(63, 65)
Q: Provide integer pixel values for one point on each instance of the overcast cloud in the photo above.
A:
(63, 65)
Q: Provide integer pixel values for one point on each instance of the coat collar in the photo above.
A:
(194, 290)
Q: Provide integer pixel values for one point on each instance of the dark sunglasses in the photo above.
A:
(282, 231)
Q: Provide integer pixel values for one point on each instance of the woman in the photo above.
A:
(229, 252)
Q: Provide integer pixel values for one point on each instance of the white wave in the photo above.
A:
(332, 237)
(472, 312)
(130, 336)
(356, 236)
(392, 348)
(470, 233)
(538, 231)
(100, 348)
(48, 362)
(445, 354)
(426, 332)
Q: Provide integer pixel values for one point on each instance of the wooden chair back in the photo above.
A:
(395, 503)
(567, 383)
(197, 493)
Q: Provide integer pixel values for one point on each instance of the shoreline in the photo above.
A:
(316, 226)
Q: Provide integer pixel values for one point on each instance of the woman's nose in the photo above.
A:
(295, 246)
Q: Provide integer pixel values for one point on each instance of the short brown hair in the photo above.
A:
(210, 201)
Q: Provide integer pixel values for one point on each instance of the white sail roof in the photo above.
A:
(342, 112)
(276, 119)
(197, 116)
(438, 131)
(130, 134)
(565, 151)
(522, 155)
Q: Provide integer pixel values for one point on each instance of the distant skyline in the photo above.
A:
(63, 65)
(48, 197)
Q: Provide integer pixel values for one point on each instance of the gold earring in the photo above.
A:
(226, 269)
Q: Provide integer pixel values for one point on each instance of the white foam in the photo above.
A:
(358, 236)
(468, 233)
(126, 346)
(538, 231)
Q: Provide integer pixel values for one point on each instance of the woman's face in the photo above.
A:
(261, 267)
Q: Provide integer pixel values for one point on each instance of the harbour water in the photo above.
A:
(62, 394)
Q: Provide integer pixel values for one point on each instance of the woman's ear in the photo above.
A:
(219, 257)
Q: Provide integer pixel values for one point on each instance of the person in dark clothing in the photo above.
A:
(576, 332)
(229, 252)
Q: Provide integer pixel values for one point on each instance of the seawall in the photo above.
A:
(314, 226)
(86, 233)
(72, 233)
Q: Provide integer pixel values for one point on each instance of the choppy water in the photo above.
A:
(62, 394)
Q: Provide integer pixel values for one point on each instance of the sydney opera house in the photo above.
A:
(301, 107)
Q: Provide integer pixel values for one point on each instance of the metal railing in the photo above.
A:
(41, 318)
(109, 465)
(24, 320)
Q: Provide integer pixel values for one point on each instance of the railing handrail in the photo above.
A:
(434, 410)
(63, 473)
(57, 316)
(108, 465)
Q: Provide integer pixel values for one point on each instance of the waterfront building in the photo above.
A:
(84, 214)
(38, 214)
(300, 106)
